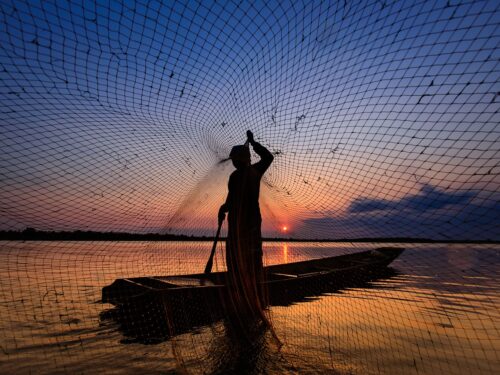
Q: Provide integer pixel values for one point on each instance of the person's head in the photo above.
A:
(240, 156)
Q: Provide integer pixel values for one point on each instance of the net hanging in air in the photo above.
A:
(382, 117)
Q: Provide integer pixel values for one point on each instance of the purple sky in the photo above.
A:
(383, 116)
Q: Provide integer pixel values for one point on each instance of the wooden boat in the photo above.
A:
(278, 278)
(150, 310)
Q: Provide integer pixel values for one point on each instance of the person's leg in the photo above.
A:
(260, 280)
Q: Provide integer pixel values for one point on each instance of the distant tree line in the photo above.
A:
(31, 234)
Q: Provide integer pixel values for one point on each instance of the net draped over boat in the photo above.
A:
(382, 117)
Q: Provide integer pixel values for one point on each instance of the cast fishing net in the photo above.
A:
(382, 117)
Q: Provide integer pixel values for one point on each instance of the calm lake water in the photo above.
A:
(438, 312)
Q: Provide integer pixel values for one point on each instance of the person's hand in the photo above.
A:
(250, 137)
(222, 213)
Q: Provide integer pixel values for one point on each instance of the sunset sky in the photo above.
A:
(383, 116)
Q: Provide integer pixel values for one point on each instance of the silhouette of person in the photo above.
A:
(244, 240)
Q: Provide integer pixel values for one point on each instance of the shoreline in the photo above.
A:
(31, 234)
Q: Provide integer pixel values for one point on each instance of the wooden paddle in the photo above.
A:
(210, 262)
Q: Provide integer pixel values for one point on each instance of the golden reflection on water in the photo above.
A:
(439, 314)
(285, 252)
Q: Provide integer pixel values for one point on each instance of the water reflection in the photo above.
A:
(439, 314)
(152, 320)
(285, 252)
(243, 350)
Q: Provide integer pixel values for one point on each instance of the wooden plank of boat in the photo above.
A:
(277, 276)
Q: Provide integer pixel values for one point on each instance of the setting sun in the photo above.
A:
(284, 228)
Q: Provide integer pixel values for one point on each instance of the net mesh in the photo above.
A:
(382, 117)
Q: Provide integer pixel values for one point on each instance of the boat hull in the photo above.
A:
(278, 278)
(151, 310)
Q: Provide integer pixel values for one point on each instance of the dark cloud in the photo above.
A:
(321, 221)
(429, 198)
(433, 213)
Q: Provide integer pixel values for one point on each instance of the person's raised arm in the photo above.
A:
(266, 158)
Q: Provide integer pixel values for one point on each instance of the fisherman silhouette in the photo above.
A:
(244, 239)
